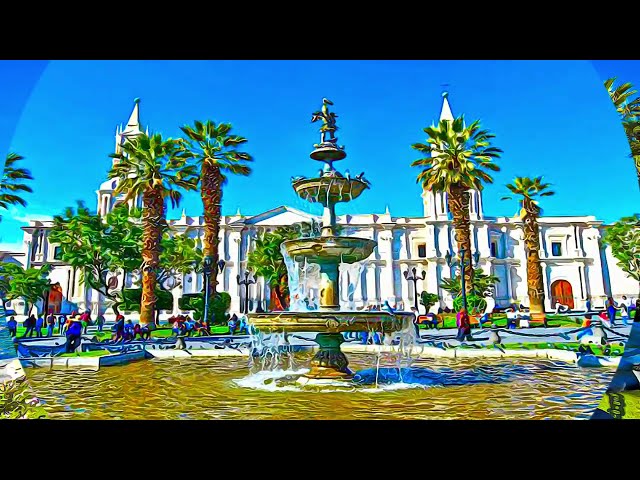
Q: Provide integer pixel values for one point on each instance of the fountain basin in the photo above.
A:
(329, 189)
(330, 249)
(330, 363)
(328, 152)
(330, 322)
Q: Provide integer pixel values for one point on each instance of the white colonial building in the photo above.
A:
(576, 266)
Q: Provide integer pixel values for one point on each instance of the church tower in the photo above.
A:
(435, 203)
(106, 197)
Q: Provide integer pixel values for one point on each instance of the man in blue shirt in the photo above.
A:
(39, 325)
(12, 325)
(74, 334)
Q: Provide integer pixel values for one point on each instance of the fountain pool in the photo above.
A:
(225, 388)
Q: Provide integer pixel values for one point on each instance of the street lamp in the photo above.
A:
(414, 278)
(452, 261)
(246, 282)
(207, 269)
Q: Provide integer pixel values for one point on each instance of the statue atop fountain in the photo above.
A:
(328, 251)
(327, 150)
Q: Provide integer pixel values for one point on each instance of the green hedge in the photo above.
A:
(131, 300)
(218, 307)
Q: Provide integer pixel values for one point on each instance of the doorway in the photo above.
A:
(562, 292)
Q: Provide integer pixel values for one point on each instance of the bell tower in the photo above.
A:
(106, 197)
(435, 203)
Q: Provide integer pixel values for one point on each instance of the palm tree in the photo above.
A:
(629, 111)
(457, 158)
(214, 149)
(150, 167)
(12, 183)
(528, 189)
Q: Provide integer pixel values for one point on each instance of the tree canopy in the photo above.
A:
(456, 155)
(628, 109)
(482, 283)
(624, 238)
(31, 284)
(13, 182)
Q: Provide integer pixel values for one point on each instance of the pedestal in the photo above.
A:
(329, 362)
(329, 289)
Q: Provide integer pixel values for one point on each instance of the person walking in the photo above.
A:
(74, 335)
(51, 323)
(12, 325)
(464, 325)
(62, 320)
(612, 308)
(100, 322)
(232, 323)
(128, 331)
(39, 326)
(118, 329)
(85, 318)
(625, 306)
(29, 325)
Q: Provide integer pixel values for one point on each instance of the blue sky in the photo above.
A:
(551, 118)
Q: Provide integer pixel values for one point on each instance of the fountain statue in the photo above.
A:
(328, 251)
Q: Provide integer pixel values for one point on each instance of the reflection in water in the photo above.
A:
(224, 388)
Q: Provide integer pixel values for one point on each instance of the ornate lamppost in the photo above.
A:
(246, 282)
(460, 261)
(208, 268)
(414, 277)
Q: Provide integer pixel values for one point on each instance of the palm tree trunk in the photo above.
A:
(535, 282)
(153, 220)
(458, 203)
(211, 193)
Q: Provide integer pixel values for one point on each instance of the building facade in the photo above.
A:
(576, 265)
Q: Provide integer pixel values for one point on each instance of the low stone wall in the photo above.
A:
(88, 363)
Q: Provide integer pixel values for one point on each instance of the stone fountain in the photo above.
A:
(328, 251)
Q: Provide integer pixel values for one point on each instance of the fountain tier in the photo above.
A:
(329, 190)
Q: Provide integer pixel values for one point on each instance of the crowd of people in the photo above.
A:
(185, 326)
(75, 325)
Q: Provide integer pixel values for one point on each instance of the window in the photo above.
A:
(556, 249)
(494, 249)
(422, 250)
(57, 253)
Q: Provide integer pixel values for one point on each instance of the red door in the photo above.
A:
(561, 292)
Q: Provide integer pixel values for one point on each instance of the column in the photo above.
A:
(386, 274)
(177, 293)
(575, 241)
(543, 246)
(483, 241)
(596, 280)
(405, 290)
(358, 294)
(582, 283)
(344, 286)
(405, 250)
(509, 283)
(371, 283)
(233, 269)
(443, 239)
(545, 279)
(431, 241)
